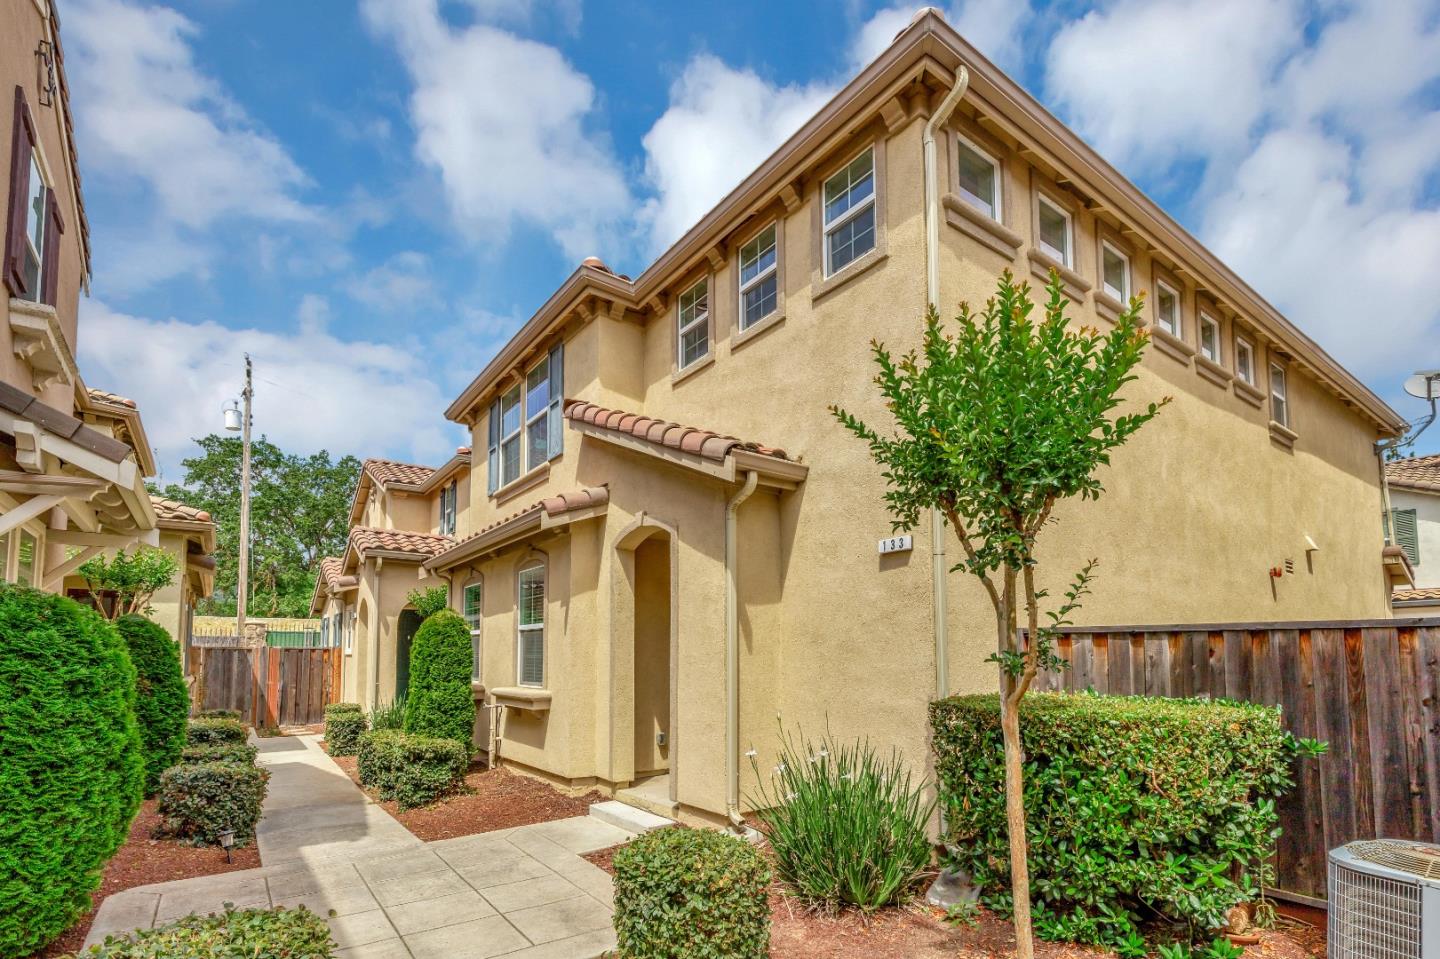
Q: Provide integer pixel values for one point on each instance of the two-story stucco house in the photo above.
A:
(1414, 526)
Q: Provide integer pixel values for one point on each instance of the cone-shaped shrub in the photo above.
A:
(162, 702)
(71, 765)
(440, 702)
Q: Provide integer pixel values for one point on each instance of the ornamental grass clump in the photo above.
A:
(411, 770)
(199, 801)
(209, 732)
(162, 702)
(847, 827)
(695, 893)
(278, 932)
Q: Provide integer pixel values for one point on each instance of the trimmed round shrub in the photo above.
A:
(440, 701)
(219, 714)
(695, 893)
(199, 801)
(1136, 808)
(71, 764)
(275, 932)
(412, 770)
(242, 753)
(334, 709)
(162, 701)
(208, 732)
(343, 731)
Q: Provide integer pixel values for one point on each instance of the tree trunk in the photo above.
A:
(1015, 824)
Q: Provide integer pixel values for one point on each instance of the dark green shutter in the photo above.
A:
(1406, 534)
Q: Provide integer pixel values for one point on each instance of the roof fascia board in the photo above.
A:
(497, 538)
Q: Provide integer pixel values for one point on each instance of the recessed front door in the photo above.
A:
(405, 635)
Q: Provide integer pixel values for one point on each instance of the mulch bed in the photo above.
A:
(491, 799)
(143, 860)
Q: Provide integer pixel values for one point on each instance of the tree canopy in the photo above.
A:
(134, 578)
(299, 514)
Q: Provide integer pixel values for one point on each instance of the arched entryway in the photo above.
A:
(404, 636)
(652, 656)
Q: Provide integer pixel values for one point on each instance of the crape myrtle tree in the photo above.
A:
(132, 579)
(995, 421)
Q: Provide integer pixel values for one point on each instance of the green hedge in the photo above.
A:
(242, 753)
(412, 770)
(272, 933)
(71, 763)
(199, 801)
(208, 732)
(1136, 808)
(335, 709)
(219, 714)
(343, 732)
(440, 701)
(162, 701)
(695, 893)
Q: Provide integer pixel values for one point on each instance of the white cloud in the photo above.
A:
(404, 281)
(313, 390)
(994, 27)
(720, 125)
(505, 123)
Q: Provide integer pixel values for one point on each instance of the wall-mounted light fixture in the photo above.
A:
(45, 54)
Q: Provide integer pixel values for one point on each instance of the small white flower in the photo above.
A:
(824, 753)
(750, 753)
(789, 797)
(780, 767)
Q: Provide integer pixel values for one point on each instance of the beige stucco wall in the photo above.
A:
(1427, 526)
(369, 671)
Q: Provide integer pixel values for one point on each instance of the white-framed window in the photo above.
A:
(1209, 337)
(1056, 231)
(1279, 395)
(1245, 360)
(33, 252)
(759, 277)
(692, 324)
(1167, 309)
(1115, 271)
(525, 429)
(979, 174)
(472, 607)
(448, 496)
(530, 618)
(27, 562)
(849, 212)
(350, 632)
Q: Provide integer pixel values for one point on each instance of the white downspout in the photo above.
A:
(732, 656)
(939, 566)
(377, 625)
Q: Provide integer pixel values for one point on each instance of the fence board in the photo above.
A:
(268, 685)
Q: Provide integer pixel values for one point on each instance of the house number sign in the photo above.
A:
(896, 544)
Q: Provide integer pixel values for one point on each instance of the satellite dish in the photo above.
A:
(1425, 385)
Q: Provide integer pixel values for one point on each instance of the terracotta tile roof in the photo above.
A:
(1417, 472)
(386, 472)
(551, 505)
(174, 510)
(687, 439)
(105, 396)
(1427, 594)
(331, 567)
(366, 538)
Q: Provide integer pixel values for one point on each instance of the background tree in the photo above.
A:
(299, 514)
(995, 423)
(428, 602)
(134, 579)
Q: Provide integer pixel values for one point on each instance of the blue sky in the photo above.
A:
(370, 198)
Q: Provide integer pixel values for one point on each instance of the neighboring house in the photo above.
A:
(401, 516)
(1414, 526)
(71, 469)
(188, 534)
(651, 601)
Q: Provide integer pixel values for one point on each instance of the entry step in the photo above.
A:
(628, 817)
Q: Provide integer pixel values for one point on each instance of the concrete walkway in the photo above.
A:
(522, 893)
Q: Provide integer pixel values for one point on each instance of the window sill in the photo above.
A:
(1110, 308)
(1075, 285)
(1212, 371)
(976, 225)
(759, 329)
(822, 287)
(1248, 393)
(1283, 435)
(1171, 346)
(681, 375)
(526, 481)
(528, 698)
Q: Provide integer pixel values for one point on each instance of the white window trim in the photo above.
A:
(998, 213)
(700, 317)
(1207, 320)
(1179, 331)
(828, 227)
(1067, 257)
(1279, 390)
(521, 630)
(1122, 295)
(348, 629)
(759, 278)
(37, 170)
(519, 391)
(529, 419)
(476, 628)
(1243, 345)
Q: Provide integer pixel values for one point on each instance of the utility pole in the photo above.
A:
(242, 592)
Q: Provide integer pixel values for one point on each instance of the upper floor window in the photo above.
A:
(350, 632)
(26, 559)
(530, 617)
(472, 609)
(1244, 360)
(33, 224)
(759, 277)
(692, 318)
(979, 178)
(1167, 309)
(448, 496)
(1210, 338)
(525, 422)
(849, 214)
(1279, 395)
(1115, 272)
(1055, 232)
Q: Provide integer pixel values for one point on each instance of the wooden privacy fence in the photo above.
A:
(269, 686)
(1367, 688)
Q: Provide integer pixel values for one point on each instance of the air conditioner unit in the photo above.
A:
(1385, 900)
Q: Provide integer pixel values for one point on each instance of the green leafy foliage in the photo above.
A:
(412, 770)
(263, 933)
(428, 602)
(343, 731)
(242, 753)
(334, 709)
(299, 514)
(206, 732)
(440, 701)
(1136, 808)
(1219, 948)
(134, 577)
(72, 766)
(162, 701)
(846, 826)
(389, 715)
(199, 801)
(219, 714)
(692, 893)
